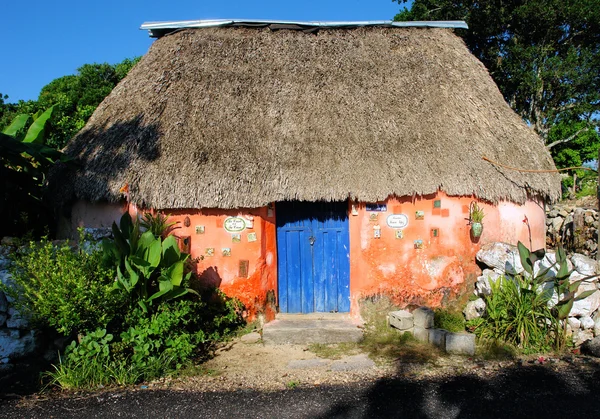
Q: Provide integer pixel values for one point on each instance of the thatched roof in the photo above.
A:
(240, 117)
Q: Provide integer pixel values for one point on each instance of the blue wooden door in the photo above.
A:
(313, 254)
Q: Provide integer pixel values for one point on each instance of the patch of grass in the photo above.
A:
(384, 343)
(335, 350)
(448, 320)
(292, 384)
(496, 350)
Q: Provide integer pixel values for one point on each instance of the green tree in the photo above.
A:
(77, 96)
(545, 57)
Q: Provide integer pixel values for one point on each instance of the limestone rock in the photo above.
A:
(583, 264)
(16, 320)
(580, 336)
(15, 346)
(596, 319)
(557, 223)
(574, 323)
(591, 347)
(96, 234)
(587, 306)
(3, 303)
(474, 309)
(482, 287)
(586, 323)
(501, 256)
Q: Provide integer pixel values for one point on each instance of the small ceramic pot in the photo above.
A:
(476, 229)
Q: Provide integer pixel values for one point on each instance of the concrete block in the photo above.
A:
(423, 317)
(401, 320)
(437, 337)
(421, 334)
(460, 343)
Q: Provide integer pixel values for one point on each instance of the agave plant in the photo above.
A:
(148, 268)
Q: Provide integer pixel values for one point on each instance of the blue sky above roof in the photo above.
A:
(45, 40)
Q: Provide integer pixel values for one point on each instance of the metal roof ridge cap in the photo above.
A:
(203, 23)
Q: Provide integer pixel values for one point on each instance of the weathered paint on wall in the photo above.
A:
(259, 284)
(440, 268)
(436, 253)
(257, 290)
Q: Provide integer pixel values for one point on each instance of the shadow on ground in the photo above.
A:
(515, 392)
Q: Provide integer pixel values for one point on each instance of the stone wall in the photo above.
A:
(20, 342)
(575, 228)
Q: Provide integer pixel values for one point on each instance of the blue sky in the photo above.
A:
(43, 40)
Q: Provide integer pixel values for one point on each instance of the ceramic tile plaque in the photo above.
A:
(236, 238)
(210, 251)
(419, 215)
(376, 232)
(234, 224)
(251, 237)
(418, 244)
(226, 251)
(397, 221)
(373, 216)
(199, 229)
(399, 234)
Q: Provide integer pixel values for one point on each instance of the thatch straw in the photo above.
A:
(240, 117)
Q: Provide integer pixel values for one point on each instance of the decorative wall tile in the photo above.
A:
(243, 268)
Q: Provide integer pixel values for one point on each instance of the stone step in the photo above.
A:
(302, 329)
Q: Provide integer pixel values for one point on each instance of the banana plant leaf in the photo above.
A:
(37, 130)
(17, 126)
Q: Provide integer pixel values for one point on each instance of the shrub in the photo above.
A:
(518, 314)
(69, 290)
(149, 345)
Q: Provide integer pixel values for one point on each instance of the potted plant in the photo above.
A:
(476, 219)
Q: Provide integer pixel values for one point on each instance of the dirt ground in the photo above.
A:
(256, 366)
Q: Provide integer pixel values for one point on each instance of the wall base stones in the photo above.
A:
(421, 324)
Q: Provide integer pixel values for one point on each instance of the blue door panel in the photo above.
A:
(313, 257)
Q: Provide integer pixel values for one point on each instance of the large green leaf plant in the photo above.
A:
(149, 269)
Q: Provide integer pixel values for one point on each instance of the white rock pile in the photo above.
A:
(503, 259)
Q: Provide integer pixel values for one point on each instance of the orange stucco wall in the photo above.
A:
(432, 274)
(441, 266)
(223, 271)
